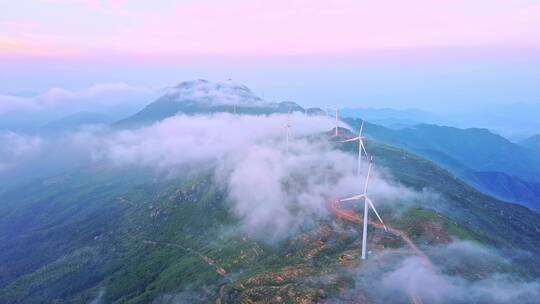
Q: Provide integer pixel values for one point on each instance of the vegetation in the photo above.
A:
(127, 237)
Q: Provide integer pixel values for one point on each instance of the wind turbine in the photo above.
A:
(337, 122)
(367, 201)
(361, 147)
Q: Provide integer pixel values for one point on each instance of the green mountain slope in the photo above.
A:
(487, 161)
(125, 236)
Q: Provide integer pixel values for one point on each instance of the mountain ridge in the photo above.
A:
(475, 155)
(205, 97)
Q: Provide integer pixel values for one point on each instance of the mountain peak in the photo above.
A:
(202, 97)
(213, 93)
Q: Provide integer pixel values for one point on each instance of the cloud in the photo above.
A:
(14, 103)
(250, 27)
(182, 139)
(15, 149)
(210, 93)
(165, 146)
(413, 277)
(99, 97)
(466, 272)
(275, 194)
(272, 193)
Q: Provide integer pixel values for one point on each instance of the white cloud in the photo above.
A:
(210, 93)
(465, 272)
(273, 194)
(182, 139)
(94, 98)
(413, 277)
(15, 149)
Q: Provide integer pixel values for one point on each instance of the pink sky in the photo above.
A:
(255, 27)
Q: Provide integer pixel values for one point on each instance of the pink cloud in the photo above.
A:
(297, 26)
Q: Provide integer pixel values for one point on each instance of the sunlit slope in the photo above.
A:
(125, 236)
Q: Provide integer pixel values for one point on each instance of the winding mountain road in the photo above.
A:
(353, 217)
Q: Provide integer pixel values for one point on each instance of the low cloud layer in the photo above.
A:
(269, 189)
(116, 100)
(466, 272)
(164, 145)
(182, 139)
(15, 149)
(276, 193)
(96, 96)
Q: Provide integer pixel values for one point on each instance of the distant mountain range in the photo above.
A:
(515, 121)
(392, 118)
(532, 142)
(74, 122)
(485, 160)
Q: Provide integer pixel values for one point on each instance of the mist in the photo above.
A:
(268, 188)
(112, 100)
(465, 272)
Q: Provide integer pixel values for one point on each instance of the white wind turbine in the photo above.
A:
(367, 201)
(361, 147)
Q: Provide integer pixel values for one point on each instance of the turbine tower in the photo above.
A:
(367, 201)
(361, 147)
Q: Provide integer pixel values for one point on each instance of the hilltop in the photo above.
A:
(205, 97)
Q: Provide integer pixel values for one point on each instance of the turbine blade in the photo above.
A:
(363, 147)
(368, 175)
(353, 198)
(376, 213)
(349, 140)
(361, 129)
